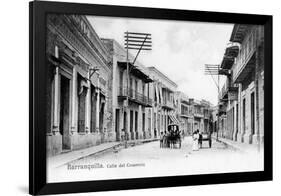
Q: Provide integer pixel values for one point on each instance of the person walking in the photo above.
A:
(161, 139)
(165, 137)
(195, 137)
(200, 140)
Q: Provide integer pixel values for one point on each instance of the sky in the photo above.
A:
(180, 49)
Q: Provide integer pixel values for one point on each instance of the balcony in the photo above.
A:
(229, 91)
(168, 104)
(198, 114)
(246, 60)
(186, 114)
(230, 54)
(222, 109)
(134, 96)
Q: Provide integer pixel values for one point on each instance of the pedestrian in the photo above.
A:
(161, 139)
(165, 137)
(195, 138)
(200, 140)
(123, 135)
(155, 132)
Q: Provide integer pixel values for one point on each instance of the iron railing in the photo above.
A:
(134, 96)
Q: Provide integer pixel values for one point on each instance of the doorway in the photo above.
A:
(131, 123)
(125, 126)
(117, 124)
(253, 112)
(64, 111)
(136, 125)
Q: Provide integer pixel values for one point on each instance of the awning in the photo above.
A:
(174, 119)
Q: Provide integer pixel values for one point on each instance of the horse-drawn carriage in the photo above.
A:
(172, 138)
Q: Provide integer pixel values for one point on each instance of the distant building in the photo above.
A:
(162, 92)
(242, 96)
(202, 115)
(184, 113)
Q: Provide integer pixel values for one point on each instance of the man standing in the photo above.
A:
(161, 139)
(200, 140)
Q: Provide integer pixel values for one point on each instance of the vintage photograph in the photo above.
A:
(135, 98)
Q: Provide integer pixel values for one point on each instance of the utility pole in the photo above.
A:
(139, 42)
(215, 70)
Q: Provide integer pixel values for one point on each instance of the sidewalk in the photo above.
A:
(64, 158)
(243, 147)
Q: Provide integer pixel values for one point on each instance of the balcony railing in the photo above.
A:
(186, 114)
(198, 114)
(167, 104)
(227, 87)
(134, 96)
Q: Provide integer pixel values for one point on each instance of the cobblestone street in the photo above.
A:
(148, 160)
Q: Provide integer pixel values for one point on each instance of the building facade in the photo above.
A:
(185, 113)
(163, 110)
(131, 100)
(202, 115)
(242, 97)
(79, 95)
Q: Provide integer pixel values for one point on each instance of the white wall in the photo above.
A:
(14, 91)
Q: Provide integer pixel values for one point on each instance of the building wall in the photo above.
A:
(250, 126)
(137, 127)
(162, 92)
(68, 43)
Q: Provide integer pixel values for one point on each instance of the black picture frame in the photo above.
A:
(37, 98)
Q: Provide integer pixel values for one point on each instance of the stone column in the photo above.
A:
(256, 136)
(98, 107)
(261, 108)
(248, 131)
(73, 102)
(56, 96)
(234, 121)
(121, 119)
(128, 123)
(146, 136)
(240, 115)
(133, 133)
(140, 133)
(88, 107)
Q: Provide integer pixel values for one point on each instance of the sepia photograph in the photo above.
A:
(135, 98)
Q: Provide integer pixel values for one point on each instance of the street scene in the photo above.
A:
(149, 160)
(132, 98)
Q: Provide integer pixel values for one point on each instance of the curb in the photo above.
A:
(85, 155)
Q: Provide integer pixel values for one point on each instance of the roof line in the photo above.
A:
(166, 77)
